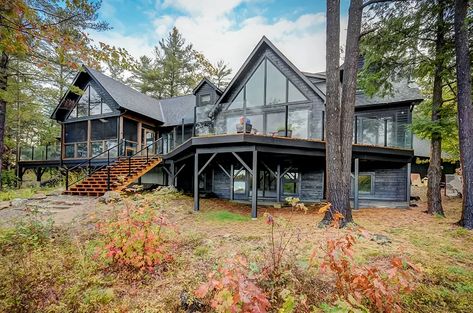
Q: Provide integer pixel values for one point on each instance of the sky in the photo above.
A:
(222, 29)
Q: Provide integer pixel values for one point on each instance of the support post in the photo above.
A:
(173, 174)
(408, 184)
(195, 122)
(232, 179)
(356, 203)
(196, 182)
(278, 183)
(254, 191)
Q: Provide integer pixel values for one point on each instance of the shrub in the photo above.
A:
(232, 288)
(29, 232)
(138, 239)
(380, 287)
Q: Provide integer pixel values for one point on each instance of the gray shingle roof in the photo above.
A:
(169, 111)
(402, 92)
(127, 97)
(178, 108)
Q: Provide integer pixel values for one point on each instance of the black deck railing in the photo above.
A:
(92, 167)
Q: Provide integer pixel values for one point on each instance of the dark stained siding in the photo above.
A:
(390, 181)
(312, 185)
(221, 186)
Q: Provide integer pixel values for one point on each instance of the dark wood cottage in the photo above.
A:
(260, 139)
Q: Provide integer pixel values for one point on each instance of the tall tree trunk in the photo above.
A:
(465, 110)
(434, 173)
(3, 107)
(340, 113)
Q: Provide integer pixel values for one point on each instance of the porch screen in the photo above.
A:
(104, 128)
(75, 132)
(130, 130)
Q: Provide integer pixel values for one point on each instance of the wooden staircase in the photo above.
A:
(96, 184)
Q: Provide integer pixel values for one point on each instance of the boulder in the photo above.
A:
(18, 202)
(110, 196)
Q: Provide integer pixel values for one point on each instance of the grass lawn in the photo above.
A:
(58, 271)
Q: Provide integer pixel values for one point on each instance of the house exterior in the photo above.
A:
(263, 135)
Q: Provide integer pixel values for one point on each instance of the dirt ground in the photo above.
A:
(223, 229)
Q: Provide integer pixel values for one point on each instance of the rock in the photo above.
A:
(381, 239)
(4, 205)
(18, 202)
(38, 196)
(110, 196)
(54, 193)
(189, 303)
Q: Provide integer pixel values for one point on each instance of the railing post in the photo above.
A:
(147, 147)
(195, 122)
(46, 152)
(286, 120)
(108, 178)
(108, 157)
(32, 152)
(88, 167)
(67, 178)
(124, 147)
(129, 166)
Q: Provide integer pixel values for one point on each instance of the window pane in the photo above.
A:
(275, 85)
(69, 151)
(96, 148)
(73, 113)
(104, 128)
(364, 183)
(274, 122)
(231, 124)
(255, 88)
(290, 181)
(83, 104)
(81, 150)
(239, 182)
(238, 101)
(75, 132)
(95, 102)
(204, 99)
(130, 130)
(299, 123)
(109, 144)
(294, 94)
(257, 124)
(106, 108)
(371, 131)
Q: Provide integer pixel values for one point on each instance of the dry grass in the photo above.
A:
(222, 229)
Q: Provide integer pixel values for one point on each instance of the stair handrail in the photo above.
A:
(89, 161)
(139, 151)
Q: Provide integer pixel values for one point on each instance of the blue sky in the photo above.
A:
(222, 29)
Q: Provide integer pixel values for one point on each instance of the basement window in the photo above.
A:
(366, 183)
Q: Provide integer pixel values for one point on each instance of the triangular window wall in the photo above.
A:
(89, 104)
(266, 86)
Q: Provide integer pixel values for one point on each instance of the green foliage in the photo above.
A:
(443, 290)
(139, 239)
(9, 178)
(29, 232)
(54, 277)
(225, 216)
(175, 69)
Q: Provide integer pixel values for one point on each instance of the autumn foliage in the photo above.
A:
(139, 239)
(232, 288)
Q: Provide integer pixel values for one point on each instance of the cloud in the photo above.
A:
(226, 30)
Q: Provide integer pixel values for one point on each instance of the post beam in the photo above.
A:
(254, 192)
(232, 179)
(278, 183)
(356, 201)
(408, 184)
(196, 183)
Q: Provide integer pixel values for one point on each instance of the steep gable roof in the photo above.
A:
(127, 97)
(262, 44)
(209, 82)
